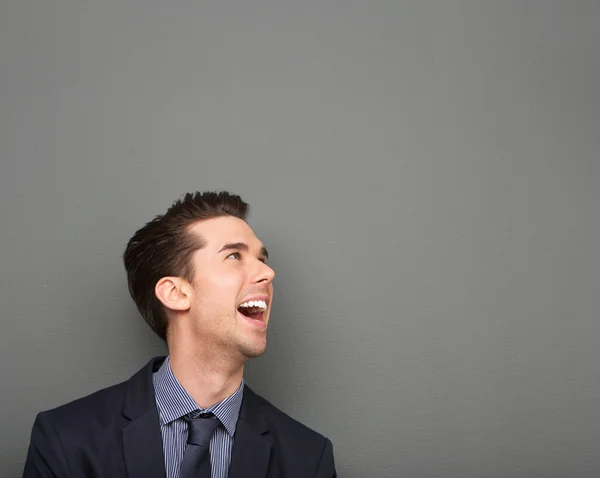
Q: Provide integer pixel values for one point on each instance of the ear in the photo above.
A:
(174, 293)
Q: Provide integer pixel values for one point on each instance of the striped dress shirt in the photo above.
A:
(174, 405)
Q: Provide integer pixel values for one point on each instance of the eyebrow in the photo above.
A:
(240, 246)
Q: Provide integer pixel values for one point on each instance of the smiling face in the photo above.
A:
(232, 289)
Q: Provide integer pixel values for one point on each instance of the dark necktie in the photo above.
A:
(196, 459)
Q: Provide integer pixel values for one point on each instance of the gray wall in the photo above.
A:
(424, 173)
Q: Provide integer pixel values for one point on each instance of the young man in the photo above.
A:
(200, 278)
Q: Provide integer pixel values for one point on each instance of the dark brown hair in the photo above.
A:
(164, 246)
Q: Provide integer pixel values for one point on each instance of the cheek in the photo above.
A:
(219, 290)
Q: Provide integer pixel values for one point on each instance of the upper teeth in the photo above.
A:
(261, 304)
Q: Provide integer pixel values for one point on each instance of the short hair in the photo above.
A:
(164, 247)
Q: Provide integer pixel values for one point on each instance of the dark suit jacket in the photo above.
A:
(115, 433)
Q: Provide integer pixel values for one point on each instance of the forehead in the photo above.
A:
(219, 231)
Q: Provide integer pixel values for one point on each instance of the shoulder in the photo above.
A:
(108, 404)
(62, 434)
(281, 421)
(100, 406)
(299, 449)
(65, 437)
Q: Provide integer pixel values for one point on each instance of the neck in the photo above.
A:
(207, 381)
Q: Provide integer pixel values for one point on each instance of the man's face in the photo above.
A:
(233, 288)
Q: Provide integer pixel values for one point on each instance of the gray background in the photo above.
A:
(424, 173)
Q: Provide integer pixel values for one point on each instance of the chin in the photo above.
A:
(253, 350)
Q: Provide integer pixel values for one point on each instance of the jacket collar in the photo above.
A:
(252, 441)
(142, 438)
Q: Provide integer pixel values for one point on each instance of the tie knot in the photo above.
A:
(201, 429)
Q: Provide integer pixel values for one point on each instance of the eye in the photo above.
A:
(235, 255)
(263, 260)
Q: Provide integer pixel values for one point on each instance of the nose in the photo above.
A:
(264, 273)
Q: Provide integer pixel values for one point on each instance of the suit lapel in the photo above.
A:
(142, 438)
(252, 442)
(142, 442)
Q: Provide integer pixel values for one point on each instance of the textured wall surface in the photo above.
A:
(425, 174)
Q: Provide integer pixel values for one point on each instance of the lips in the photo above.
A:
(256, 321)
(253, 309)
(253, 305)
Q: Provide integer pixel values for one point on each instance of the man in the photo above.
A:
(199, 277)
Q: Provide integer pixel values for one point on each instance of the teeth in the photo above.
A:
(261, 304)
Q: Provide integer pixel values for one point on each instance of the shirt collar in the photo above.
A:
(174, 402)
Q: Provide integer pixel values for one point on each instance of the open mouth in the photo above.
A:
(253, 309)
